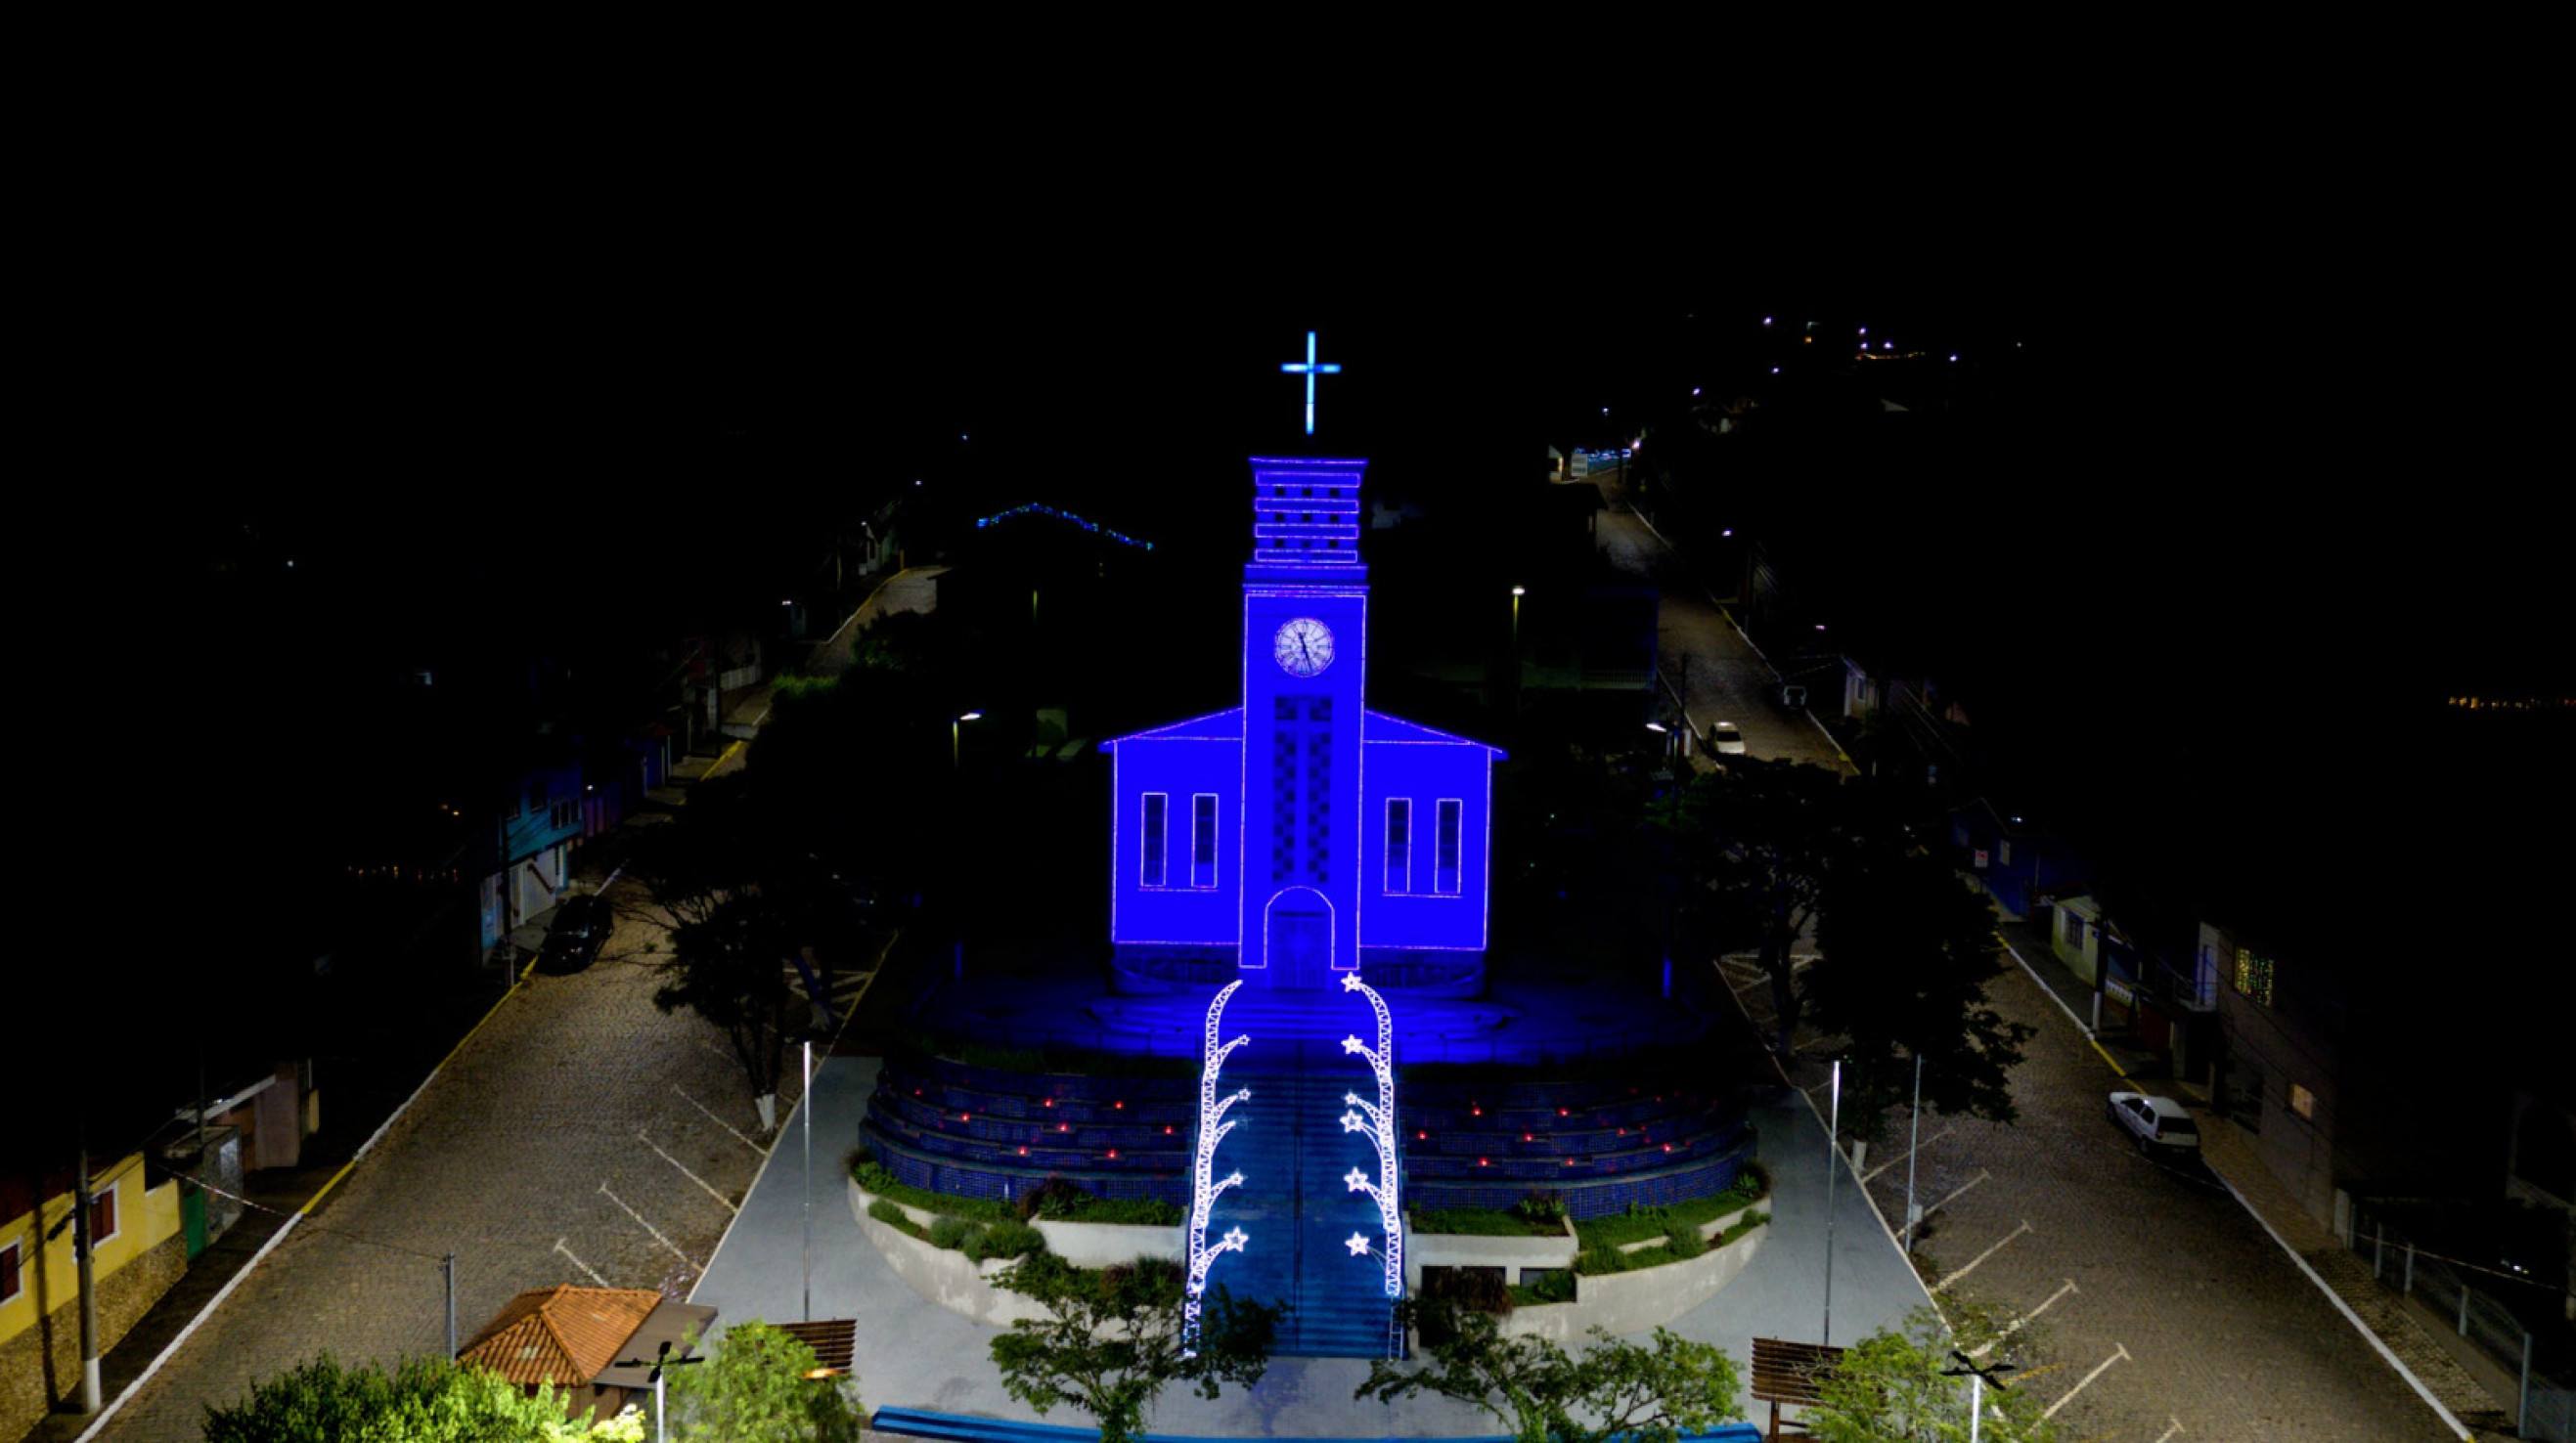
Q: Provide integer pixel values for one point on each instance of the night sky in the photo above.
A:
(2209, 558)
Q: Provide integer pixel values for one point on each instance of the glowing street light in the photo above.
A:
(953, 744)
(1658, 727)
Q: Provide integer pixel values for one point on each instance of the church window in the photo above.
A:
(1444, 876)
(1399, 844)
(1155, 837)
(2254, 976)
(1203, 839)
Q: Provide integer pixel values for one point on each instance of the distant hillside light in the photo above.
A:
(1766, 320)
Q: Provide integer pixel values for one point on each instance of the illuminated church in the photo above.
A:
(1299, 836)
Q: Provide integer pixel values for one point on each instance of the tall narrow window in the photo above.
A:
(1156, 836)
(1399, 844)
(1203, 839)
(11, 1283)
(1444, 877)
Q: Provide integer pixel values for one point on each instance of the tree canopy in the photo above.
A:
(423, 1400)
(1649, 1392)
(758, 1388)
(1113, 1339)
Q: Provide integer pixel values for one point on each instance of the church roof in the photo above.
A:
(1227, 726)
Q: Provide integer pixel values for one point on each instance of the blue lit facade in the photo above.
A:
(1300, 836)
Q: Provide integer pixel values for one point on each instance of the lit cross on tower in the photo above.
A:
(1310, 368)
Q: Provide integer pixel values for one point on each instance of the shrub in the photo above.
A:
(952, 1232)
(884, 1211)
(1684, 1242)
(1541, 1208)
(1138, 1211)
(1601, 1261)
(1004, 1240)
(872, 1175)
(1747, 1223)
(1054, 1196)
(1545, 1285)
(1481, 1222)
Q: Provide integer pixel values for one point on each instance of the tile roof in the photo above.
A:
(563, 1334)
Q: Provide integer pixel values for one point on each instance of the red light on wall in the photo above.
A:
(1525, 1137)
(1569, 1162)
(1050, 1102)
(1120, 1106)
(1167, 1129)
(1024, 1152)
(1475, 1112)
(1113, 1154)
(1561, 1112)
(1062, 1127)
(965, 1117)
(1422, 1137)
(1668, 1147)
(1480, 1162)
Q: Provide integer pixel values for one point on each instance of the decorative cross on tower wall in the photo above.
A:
(1310, 368)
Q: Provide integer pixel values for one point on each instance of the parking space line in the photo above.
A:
(656, 1232)
(2079, 1387)
(2172, 1432)
(2015, 1326)
(1981, 1176)
(1981, 1257)
(720, 1122)
(578, 1263)
(684, 1172)
(1892, 1161)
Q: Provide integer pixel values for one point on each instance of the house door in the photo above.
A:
(1298, 932)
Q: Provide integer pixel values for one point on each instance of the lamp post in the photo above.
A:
(1913, 1139)
(1517, 593)
(1833, 1164)
(662, 1361)
(953, 735)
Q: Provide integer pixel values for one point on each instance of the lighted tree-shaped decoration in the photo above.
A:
(1376, 1122)
(1204, 1186)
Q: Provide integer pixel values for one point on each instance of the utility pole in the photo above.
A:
(805, 1105)
(82, 1243)
(1833, 1165)
(1977, 1378)
(1913, 1140)
(447, 1266)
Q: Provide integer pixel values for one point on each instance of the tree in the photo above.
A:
(759, 1388)
(1112, 1339)
(1906, 953)
(1890, 1388)
(731, 969)
(1653, 1393)
(424, 1400)
(1752, 845)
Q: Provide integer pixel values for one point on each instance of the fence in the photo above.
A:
(2548, 1404)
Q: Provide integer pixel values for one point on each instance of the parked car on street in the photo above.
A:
(2155, 1122)
(580, 929)
(1793, 696)
(1725, 738)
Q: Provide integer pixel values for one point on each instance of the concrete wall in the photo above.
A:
(962, 1285)
(1475, 1250)
(1635, 1302)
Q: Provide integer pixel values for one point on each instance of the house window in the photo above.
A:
(1399, 844)
(2074, 930)
(2302, 1101)
(102, 1216)
(2254, 976)
(1203, 839)
(10, 1283)
(1156, 837)
(2003, 853)
(1444, 876)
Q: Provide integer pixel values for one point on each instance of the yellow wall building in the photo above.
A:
(140, 1252)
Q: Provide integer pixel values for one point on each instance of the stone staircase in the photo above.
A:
(1293, 1204)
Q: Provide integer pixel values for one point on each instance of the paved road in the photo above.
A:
(576, 1103)
(2202, 1319)
(1720, 675)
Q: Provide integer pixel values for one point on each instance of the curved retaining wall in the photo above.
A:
(963, 1286)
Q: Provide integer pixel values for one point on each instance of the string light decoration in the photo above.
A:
(1204, 1189)
(1376, 1122)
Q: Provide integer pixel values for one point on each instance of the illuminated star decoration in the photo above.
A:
(1204, 1188)
(1358, 1244)
(1310, 368)
(1376, 1122)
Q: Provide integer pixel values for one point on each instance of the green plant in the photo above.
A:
(423, 1400)
(1892, 1385)
(1684, 1242)
(1648, 1392)
(1540, 1208)
(1003, 1240)
(1483, 1222)
(1449, 1291)
(952, 1232)
(760, 1387)
(1111, 1340)
(872, 1177)
(1752, 1219)
(1546, 1285)
(884, 1211)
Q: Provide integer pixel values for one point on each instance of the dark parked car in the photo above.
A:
(579, 931)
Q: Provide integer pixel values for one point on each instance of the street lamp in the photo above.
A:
(661, 1361)
(953, 745)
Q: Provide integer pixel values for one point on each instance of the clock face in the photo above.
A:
(1303, 647)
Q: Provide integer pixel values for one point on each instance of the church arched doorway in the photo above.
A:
(1297, 939)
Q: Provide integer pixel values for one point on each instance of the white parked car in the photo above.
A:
(2155, 1122)
(1723, 737)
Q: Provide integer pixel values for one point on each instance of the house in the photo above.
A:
(574, 1338)
(529, 866)
(2021, 866)
(137, 1252)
